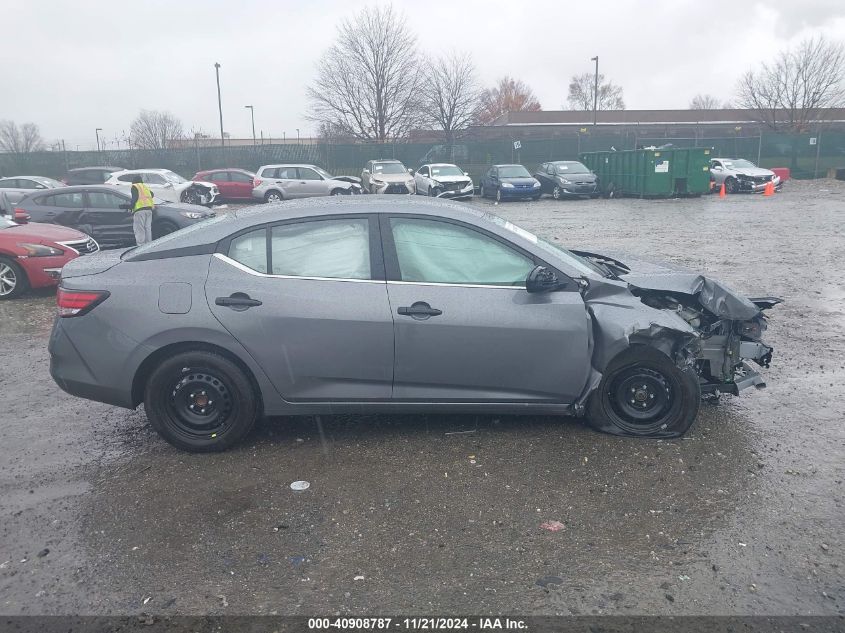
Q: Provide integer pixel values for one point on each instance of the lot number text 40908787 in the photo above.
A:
(418, 624)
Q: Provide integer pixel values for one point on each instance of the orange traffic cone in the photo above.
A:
(769, 189)
(722, 193)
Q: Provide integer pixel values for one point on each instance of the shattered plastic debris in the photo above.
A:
(43, 552)
(300, 486)
(549, 580)
(147, 599)
(552, 526)
(358, 578)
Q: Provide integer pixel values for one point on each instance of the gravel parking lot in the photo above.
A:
(442, 514)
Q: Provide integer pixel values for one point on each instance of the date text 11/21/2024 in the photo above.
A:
(417, 624)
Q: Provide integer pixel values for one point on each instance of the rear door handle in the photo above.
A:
(419, 310)
(237, 301)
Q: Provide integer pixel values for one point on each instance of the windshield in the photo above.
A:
(513, 171)
(389, 168)
(49, 182)
(571, 168)
(739, 162)
(446, 170)
(580, 264)
(173, 177)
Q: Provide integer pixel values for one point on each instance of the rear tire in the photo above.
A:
(273, 196)
(13, 279)
(644, 394)
(200, 402)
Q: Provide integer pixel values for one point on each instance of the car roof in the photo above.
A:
(440, 165)
(285, 165)
(111, 167)
(156, 170)
(565, 162)
(191, 240)
(386, 160)
(211, 171)
(509, 165)
(30, 177)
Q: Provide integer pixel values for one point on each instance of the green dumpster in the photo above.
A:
(651, 173)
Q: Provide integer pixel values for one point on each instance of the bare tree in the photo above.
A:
(582, 90)
(508, 95)
(787, 94)
(704, 102)
(20, 140)
(367, 82)
(451, 97)
(157, 130)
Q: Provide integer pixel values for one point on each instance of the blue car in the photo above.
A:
(509, 182)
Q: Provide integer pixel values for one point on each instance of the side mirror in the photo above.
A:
(541, 279)
(466, 173)
(22, 217)
(410, 171)
(715, 168)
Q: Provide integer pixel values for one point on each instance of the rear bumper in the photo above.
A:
(74, 376)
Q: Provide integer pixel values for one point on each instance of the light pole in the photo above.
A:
(297, 136)
(595, 90)
(97, 132)
(219, 104)
(284, 138)
(252, 113)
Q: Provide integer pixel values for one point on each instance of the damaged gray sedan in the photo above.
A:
(372, 305)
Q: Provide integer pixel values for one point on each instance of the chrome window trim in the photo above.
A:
(448, 285)
(255, 273)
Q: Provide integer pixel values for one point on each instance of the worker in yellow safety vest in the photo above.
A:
(141, 207)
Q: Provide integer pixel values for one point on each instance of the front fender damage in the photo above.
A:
(620, 320)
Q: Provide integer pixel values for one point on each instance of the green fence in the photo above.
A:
(808, 155)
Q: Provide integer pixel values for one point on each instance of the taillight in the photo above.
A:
(256, 182)
(71, 303)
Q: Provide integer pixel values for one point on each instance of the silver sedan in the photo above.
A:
(379, 304)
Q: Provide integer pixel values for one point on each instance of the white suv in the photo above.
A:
(167, 185)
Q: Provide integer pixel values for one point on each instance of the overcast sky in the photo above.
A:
(74, 66)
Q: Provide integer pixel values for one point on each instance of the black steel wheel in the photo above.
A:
(200, 401)
(643, 393)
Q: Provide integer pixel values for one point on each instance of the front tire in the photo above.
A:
(644, 394)
(200, 402)
(557, 192)
(731, 185)
(13, 279)
(190, 196)
(481, 190)
(498, 195)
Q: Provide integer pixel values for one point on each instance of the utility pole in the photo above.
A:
(596, 90)
(97, 132)
(297, 136)
(252, 113)
(219, 104)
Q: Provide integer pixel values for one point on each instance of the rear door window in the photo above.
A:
(334, 249)
(250, 250)
(105, 200)
(236, 176)
(73, 200)
(10, 183)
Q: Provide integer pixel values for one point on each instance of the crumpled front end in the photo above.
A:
(695, 320)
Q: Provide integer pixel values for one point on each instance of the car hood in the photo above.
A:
(752, 171)
(184, 206)
(647, 274)
(578, 177)
(450, 178)
(350, 179)
(530, 180)
(393, 177)
(39, 233)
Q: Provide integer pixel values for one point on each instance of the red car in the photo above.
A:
(32, 255)
(234, 184)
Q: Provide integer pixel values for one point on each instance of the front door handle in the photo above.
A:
(419, 310)
(237, 301)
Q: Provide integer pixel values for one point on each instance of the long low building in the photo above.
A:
(645, 123)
